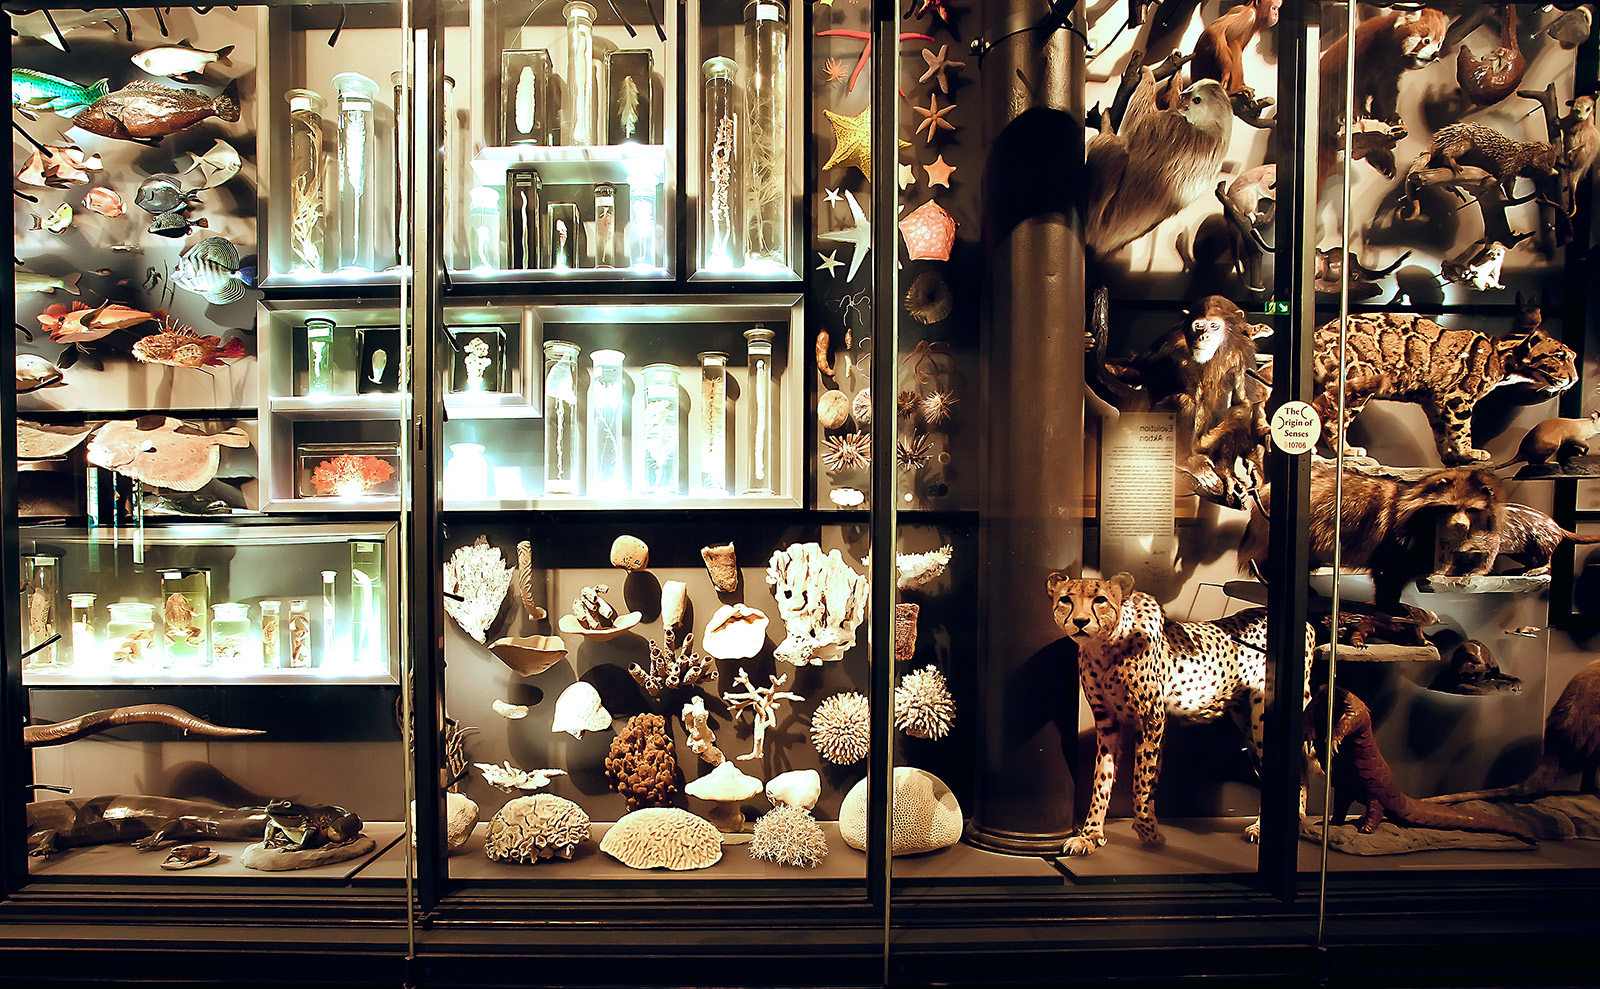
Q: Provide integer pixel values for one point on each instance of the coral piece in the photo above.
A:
(722, 565)
(841, 728)
(630, 553)
(510, 779)
(905, 631)
(928, 300)
(833, 409)
(929, 232)
(475, 582)
(513, 712)
(797, 788)
(697, 727)
(165, 454)
(736, 631)
(821, 601)
(578, 710)
(593, 616)
(674, 603)
(663, 838)
(923, 707)
(847, 497)
(916, 569)
(350, 474)
(852, 451)
(524, 582)
(529, 829)
(460, 817)
(789, 836)
(529, 655)
(926, 815)
(640, 765)
(726, 789)
(762, 702)
(673, 668)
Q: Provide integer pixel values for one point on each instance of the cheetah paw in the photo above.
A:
(1152, 838)
(1080, 844)
(1252, 832)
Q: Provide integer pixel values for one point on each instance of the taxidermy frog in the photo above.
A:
(306, 826)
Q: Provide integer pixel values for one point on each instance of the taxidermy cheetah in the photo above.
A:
(1137, 667)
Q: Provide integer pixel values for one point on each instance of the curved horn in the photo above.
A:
(137, 714)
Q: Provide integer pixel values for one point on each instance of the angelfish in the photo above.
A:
(211, 270)
(57, 221)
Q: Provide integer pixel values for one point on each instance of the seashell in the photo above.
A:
(578, 710)
(923, 707)
(789, 836)
(630, 553)
(478, 575)
(529, 655)
(529, 829)
(569, 624)
(840, 728)
(926, 815)
(722, 565)
(663, 838)
(736, 631)
(916, 569)
(833, 409)
(726, 789)
(511, 712)
(905, 631)
(511, 779)
(796, 788)
(847, 497)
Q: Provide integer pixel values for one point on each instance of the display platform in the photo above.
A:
(123, 860)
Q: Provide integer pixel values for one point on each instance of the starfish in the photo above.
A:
(866, 51)
(832, 196)
(834, 68)
(852, 140)
(907, 176)
(829, 262)
(936, 8)
(858, 236)
(939, 172)
(938, 65)
(932, 117)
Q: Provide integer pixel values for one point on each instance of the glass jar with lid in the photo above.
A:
(230, 634)
(130, 632)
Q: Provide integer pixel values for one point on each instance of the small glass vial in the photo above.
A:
(269, 635)
(580, 95)
(330, 615)
(185, 610)
(299, 635)
(758, 350)
(722, 180)
(319, 355)
(466, 474)
(562, 437)
(41, 604)
(83, 638)
(367, 603)
(714, 423)
(483, 229)
(605, 225)
(230, 634)
(660, 432)
(306, 209)
(608, 419)
(130, 632)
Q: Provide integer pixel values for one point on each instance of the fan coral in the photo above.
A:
(528, 829)
(350, 474)
(789, 836)
(926, 814)
(913, 452)
(475, 582)
(923, 707)
(852, 451)
(641, 766)
(663, 838)
(671, 669)
(821, 600)
(840, 728)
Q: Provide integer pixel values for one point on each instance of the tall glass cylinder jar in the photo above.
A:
(764, 56)
(642, 223)
(41, 603)
(367, 602)
(660, 434)
(580, 95)
(561, 435)
(608, 422)
(185, 612)
(299, 635)
(306, 202)
(130, 632)
(483, 229)
(358, 217)
(269, 635)
(605, 225)
(83, 638)
(230, 634)
(714, 422)
(758, 350)
(721, 164)
(330, 616)
(319, 355)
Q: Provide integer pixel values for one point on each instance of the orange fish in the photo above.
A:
(81, 324)
(179, 346)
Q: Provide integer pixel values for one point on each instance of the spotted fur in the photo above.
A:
(1411, 358)
(1137, 668)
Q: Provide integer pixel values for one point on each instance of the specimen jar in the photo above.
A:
(185, 610)
(758, 350)
(358, 217)
(83, 641)
(607, 430)
(629, 113)
(466, 474)
(605, 225)
(306, 204)
(483, 229)
(299, 635)
(319, 355)
(330, 614)
(561, 436)
(721, 178)
(714, 422)
(230, 633)
(41, 593)
(764, 57)
(642, 223)
(565, 236)
(130, 630)
(660, 433)
(367, 604)
(525, 97)
(580, 95)
(269, 635)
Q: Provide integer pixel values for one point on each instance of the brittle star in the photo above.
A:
(866, 52)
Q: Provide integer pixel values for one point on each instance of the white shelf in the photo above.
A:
(619, 164)
(148, 678)
(386, 406)
(580, 503)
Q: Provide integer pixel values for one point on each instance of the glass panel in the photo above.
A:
(202, 425)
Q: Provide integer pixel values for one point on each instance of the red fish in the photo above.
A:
(104, 201)
(81, 324)
(180, 346)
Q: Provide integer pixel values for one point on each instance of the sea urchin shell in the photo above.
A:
(922, 704)
(852, 451)
(928, 299)
(913, 452)
(935, 407)
(839, 728)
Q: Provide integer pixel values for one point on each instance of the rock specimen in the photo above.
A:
(923, 707)
(821, 601)
(475, 582)
(789, 836)
(840, 728)
(722, 565)
(460, 817)
(926, 815)
(630, 553)
(905, 631)
(663, 838)
(542, 826)
(641, 766)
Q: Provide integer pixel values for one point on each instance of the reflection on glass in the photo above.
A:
(580, 96)
(660, 433)
(764, 57)
(561, 437)
(358, 230)
(759, 360)
(306, 204)
(713, 422)
(608, 408)
(722, 187)
(319, 356)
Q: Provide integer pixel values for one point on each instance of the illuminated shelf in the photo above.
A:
(335, 406)
(201, 678)
(619, 164)
(542, 503)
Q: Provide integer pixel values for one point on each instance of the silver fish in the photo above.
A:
(216, 166)
(162, 193)
(31, 281)
(35, 25)
(211, 270)
(35, 372)
(179, 60)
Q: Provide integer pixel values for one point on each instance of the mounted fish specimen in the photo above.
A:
(24, 280)
(179, 60)
(163, 196)
(156, 451)
(179, 346)
(211, 269)
(43, 440)
(35, 372)
(1496, 75)
(49, 29)
(59, 167)
(145, 111)
(58, 220)
(33, 91)
(105, 202)
(81, 324)
(216, 166)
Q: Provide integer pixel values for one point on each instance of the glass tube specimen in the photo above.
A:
(299, 635)
(764, 57)
(83, 640)
(580, 96)
(605, 225)
(40, 593)
(561, 435)
(319, 355)
(525, 96)
(607, 428)
(367, 605)
(714, 422)
(185, 612)
(307, 208)
(330, 614)
(483, 229)
(721, 175)
(758, 349)
(269, 635)
(358, 227)
(660, 432)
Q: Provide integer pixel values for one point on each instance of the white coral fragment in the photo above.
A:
(697, 729)
(926, 815)
(923, 707)
(821, 601)
(663, 838)
(511, 712)
(840, 728)
(476, 579)
(796, 788)
(578, 710)
(510, 779)
(736, 631)
(916, 569)
(542, 826)
(789, 836)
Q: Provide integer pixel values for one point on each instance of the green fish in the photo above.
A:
(32, 90)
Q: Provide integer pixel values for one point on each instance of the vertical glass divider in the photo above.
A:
(14, 772)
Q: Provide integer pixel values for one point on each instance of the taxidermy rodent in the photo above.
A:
(1548, 439)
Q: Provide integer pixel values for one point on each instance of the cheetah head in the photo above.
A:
(1086, 608)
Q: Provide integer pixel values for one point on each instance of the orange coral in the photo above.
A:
(641, 766)
(349, 474)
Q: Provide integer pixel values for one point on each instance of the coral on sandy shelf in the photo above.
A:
(641, 766)
(528, 829)
(671, 669)
(476, 579)
(923, 707)
(789, 836)
(840, 728)
(821, 601)
(916, 569)
(697, 726)
(663, 838)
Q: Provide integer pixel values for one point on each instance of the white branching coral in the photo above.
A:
(789, 836)
(840, 729)
(763, 704)
(476, 579)
(821, 601)
(510, 779)
(923, 707)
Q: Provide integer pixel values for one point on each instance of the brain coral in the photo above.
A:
(840, 728)
(641, 766)
(926, 814)
(922, 704)
(542, 826)
(789, 836)
(663, 838)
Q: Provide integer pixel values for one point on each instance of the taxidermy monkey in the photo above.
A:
(1159, 161)
(1219, 52)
